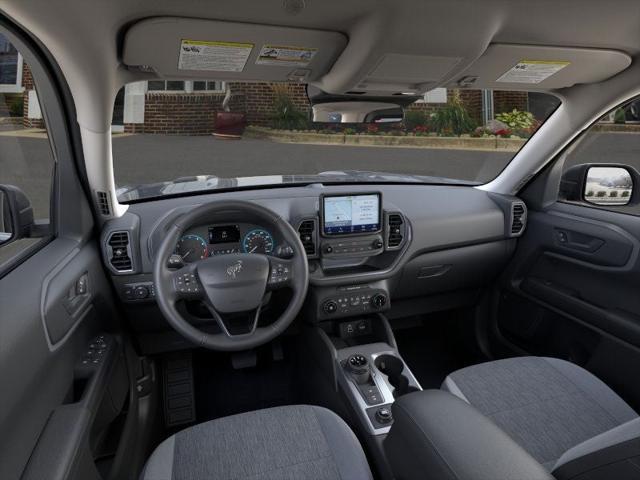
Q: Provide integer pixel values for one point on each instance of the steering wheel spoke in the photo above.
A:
(224, 322)
(280, 273)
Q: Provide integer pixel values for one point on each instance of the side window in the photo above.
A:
(26, 160)
(603, 169)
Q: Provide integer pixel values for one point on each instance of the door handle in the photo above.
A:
(577, 241)
(78, 296)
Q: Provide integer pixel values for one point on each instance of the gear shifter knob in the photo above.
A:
(358, 366)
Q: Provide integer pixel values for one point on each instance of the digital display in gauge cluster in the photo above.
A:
(225, 234)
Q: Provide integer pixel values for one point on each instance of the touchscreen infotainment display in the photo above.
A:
(351, 214)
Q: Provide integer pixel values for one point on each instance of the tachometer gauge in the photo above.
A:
(258, 241)
(191, 248)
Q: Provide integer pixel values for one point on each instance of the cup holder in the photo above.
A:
(393, 367)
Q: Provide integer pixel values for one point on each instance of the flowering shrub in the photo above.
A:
(504, 133)
(373, 129)
(516, 120)
(453, 118)
(415, 118)
(421, 130)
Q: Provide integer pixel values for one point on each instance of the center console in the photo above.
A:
(363, 363)
(372, 376)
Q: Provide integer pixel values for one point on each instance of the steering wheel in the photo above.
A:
(230, 284)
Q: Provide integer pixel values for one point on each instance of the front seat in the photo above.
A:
(294, 442)
(565, 417)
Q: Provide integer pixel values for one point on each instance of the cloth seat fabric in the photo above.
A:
(294, 442)
(546, 405)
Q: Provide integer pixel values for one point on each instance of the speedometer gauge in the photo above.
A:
(191, 248)
(258, 241)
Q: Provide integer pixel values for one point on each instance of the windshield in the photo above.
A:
(175, 137)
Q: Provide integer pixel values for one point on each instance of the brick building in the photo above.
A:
(190, 107)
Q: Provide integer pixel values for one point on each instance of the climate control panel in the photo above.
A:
(354, 300)
(367, 246)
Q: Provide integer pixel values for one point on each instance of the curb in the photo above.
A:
(452, 143)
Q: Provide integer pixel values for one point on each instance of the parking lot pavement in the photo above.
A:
(146, 158)
(26, 161)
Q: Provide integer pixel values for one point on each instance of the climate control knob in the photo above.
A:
(379, 300)
(330, 307)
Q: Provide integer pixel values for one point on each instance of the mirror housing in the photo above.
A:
(356, 108)
(600, 184)
(16, 214)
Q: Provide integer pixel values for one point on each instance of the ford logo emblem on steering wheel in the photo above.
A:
(234, 269)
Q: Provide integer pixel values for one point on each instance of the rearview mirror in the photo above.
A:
(357, 108)
(16, 214)
(608, 186)
(357, 112)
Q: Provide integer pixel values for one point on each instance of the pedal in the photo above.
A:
(178, 391)
(242, 360)
(277, 354)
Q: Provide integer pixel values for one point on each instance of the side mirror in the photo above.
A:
(16, 214)
(604, 185)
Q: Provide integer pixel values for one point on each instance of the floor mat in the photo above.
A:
(436, 348)
(221, 391)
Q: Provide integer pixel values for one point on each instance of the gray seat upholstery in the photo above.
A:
(294, 442)
(548, 406)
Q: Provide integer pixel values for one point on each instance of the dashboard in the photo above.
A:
(398, 249)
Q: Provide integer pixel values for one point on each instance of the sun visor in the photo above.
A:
(527, 67)
(189, 48)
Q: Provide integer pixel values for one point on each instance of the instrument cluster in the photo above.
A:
(211, 240)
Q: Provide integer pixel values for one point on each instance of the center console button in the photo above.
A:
(384, 415)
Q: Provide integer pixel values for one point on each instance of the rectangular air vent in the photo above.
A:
(119, 251)
(395, 235)
(518, 218)
(103, 203)
(307, 232)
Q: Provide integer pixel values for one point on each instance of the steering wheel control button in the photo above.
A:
(279, 275)
(186, 283)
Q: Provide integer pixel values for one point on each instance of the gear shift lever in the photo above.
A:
(358, 366)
